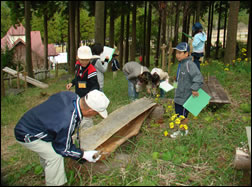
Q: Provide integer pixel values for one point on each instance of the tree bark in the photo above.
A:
(77, 26)
(148, 37)
(225, 27)
(121, 41)
(111, 27)
(127, 38)
(28, 56)
(72, 36)
(198, 11)
(99, 22)
(218, 33)
(133, 45)
(158, 41)
(45, 44)
(249, 36)
(144, 36)
(230, 52)
(175, 41)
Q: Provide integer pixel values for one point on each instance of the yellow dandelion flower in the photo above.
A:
(181, 126)
(246, 59)
(166, 133)
(227, 65)
(158, 95)
(238, 59)
(182, 117)
(233, 61)
(169, 107)
(185, 127)
(171, 125)
(156, 99)
(244, 50)
(177, 121)
(226, 69)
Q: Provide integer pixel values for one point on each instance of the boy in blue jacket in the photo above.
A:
(199, 39)
(47, 129)
(189, 80)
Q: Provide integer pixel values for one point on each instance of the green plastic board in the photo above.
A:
(196, 104)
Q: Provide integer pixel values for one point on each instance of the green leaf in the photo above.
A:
(167, 156)
(155, 155)
(38, 170)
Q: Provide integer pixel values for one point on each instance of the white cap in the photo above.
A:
(97, 101)
(84, 52)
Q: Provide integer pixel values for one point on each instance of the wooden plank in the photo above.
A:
(94, 136)
(248, 130)
(29, 79)
(215, 90)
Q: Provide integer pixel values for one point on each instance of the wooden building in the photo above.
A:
(15, 39)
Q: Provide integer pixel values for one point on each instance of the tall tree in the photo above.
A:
(144, 35)
(198, 11)
(121, 41)
(218, 32)
(225, 25)
(133, 33)
(77, 25)
(209, 28)
(72, 53)
(249, 33)
(230, 52)
(148, 35)
(111, 27)
(175, 41)
(99, 22)
(127, 35)
(28, 56)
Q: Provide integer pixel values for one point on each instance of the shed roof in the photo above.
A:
(36, 42)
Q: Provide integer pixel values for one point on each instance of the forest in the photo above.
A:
(146, 29)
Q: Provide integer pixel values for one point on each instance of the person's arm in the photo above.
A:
(197, 78)
(63, 143)
(196, 41)
(92, 82)
(101, 67)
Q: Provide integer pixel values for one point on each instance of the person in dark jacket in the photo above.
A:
(85, 78)
(115, 65)
(47, 129)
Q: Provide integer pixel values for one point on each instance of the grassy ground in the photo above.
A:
(203, 157)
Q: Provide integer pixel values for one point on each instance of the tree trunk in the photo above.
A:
(121, 41)
(99, 22)
(72, 36)
(28, 55)
(249, 36)
(225, 26)
(77, 26)
(158, 41)
(144, 36)
(163, 39)
(127, 38)
(133, 44)
(148, 37)
(2, 82)
(230, 52)
(198, 11)
(68, 45)
(105, 20)
(45, 44)
(175, 41)
(111, 27)
(218, 33)
(209, 30)
(184, 38)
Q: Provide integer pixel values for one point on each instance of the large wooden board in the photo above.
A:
(213, 88)
(28, 79)
(122, 119)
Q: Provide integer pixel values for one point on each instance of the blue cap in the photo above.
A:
(197, 26)
(183, 46)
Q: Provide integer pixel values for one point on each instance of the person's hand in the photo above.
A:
(195, 93)
(107, 58)
(90, 156)
(68, 86)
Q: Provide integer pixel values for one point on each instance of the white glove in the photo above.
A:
(88, 155)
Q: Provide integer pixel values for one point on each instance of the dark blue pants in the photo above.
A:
(196, 57)
(179, 109)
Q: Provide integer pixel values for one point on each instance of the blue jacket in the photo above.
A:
(199, 42)
(54, 120)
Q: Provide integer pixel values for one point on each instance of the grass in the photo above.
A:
(204, 157)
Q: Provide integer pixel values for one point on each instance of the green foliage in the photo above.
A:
(7, 57)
